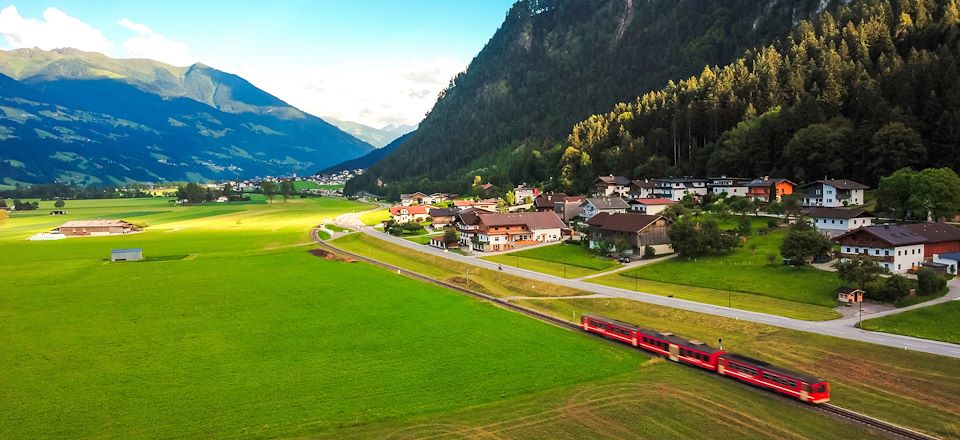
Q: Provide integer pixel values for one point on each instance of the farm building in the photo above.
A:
(80, 228)
(126, 255)
(638, 230)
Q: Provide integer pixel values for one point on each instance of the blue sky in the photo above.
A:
(372, 61)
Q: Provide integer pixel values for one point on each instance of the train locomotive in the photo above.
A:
(697, 354)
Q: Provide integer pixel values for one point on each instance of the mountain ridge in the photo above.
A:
(142, 120)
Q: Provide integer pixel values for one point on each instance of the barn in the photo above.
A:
(79, 228)
(126, 254)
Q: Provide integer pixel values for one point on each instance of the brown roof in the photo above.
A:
(839, 213)
(622, 222)
(532, 220)
(644, 184)
(935, 232)
(614, 180)
(652, 202)
(547, 200)
(894, 235)
(755, 183)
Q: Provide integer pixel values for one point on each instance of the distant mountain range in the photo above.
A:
(369, 159)
(83, 117)
(378, 137)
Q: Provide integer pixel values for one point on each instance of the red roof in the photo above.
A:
(411, 210)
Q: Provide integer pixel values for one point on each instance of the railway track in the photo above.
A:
(876, 424)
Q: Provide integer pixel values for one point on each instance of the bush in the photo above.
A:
(744, 226)
(773, 223)
(929, 283)
(649, 252)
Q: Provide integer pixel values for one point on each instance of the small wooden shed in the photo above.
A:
(126, 254)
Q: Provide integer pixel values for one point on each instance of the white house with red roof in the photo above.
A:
(650, 206)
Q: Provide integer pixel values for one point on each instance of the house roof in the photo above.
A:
(532, 220)
(411, 210)
(93, 223)
(614, 180)
(955, 256)
(838, 184)
(603, 203)
(894, 235)
(547, 200)
(648, 184)
(847, 290)
(469, 217)
(622, 222)
(126, 251)
(935, 232)
(574, 199)
(838, 213)
(410, 196)
(653, 202)
(442, 212)
(767, 182)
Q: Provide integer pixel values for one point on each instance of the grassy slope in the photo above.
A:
(563, 260)
(490, 282)
(940, 322)
(375, 217)
(910, 388)
(746, 270)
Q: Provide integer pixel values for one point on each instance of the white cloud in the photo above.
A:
(149, 44)
(55, 30)
(376, 95)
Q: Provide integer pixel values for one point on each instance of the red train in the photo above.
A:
(758, 373)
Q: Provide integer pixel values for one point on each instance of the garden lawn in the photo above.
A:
(422, 239)
(940, 322)
(563, 260)
(747, 270)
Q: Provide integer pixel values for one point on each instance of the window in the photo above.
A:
(741, 368)
(887, 253)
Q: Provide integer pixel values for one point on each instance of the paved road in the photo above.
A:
(842, 328)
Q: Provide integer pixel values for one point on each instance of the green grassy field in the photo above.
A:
(726, 298)
(376, 217)
(940, 322)
(910, 388)
(249, 335)
(563, 260)
(748, 271)
(422, 239)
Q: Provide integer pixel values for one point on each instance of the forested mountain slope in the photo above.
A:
(858, 94)
(554, 62)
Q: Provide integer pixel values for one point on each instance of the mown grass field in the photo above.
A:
(563, 260)
(375, 217)
(914, 389)
(747, 270)
(940, 322)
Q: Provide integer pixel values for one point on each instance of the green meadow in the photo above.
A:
(940, 322)
(563, 260)
(232, 328)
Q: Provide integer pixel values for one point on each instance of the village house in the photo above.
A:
(494, 232)
(894, 247)
(486, 205)
(832, 193)
(638, 230)
(442, 217)
(407, 214)
(467, 223)
(610, 205)
(650, 206)
(731, 186)
(523, 193)
(769, 190)
(942, 238)
(677, 189)
(569, 208)
(548, 201)
(611, 186)
(836, 221)
(950, 261)
(81, 228)
(417, 198)
(641, 189)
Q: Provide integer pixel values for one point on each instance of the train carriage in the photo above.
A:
(680, 350)
(758, 373)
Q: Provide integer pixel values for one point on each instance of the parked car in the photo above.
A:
(624, 259)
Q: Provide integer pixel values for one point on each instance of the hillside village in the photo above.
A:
(628, 220)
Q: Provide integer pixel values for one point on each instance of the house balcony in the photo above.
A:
(876, 258)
